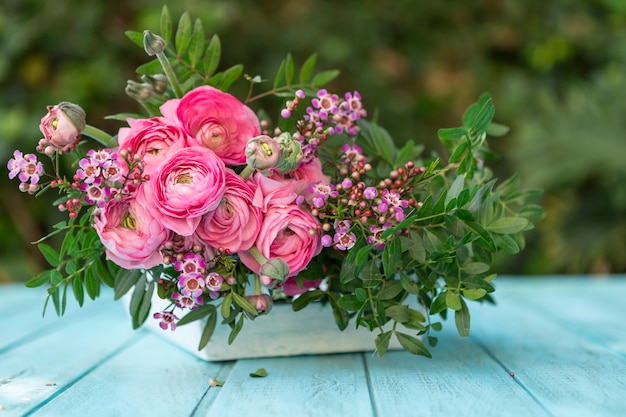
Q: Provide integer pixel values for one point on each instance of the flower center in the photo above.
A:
(55, 123)
(184, 179)
(128, 222)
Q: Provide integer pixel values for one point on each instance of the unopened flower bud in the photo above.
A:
(262, 152)
(138, 91)
(291, 154)
(262, 303)
(153, 44)
(62, 125)
(157, 81)
(276, 269)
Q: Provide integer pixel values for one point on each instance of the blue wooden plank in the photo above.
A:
(460, 379)
(42, 367)
(328, 385)
(591, 307)
(564, 370)
(24, 320)
(175, 381)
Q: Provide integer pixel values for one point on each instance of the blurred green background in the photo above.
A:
(556, 71)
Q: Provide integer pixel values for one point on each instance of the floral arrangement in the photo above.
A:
(211, 205)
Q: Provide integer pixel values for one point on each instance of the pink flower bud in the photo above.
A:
(63, 125)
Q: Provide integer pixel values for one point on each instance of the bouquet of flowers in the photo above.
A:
(211, 205)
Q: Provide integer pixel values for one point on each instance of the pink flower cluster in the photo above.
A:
(189, 201)
(27, 169)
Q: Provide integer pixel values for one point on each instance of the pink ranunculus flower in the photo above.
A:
(155, 139)
(235, 223)
(62, 126)
(218, 121)
(131, 235)
(271, 191)
(189, 184)
(288, 232)
(304, 177)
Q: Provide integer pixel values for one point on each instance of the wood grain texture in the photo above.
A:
(560, 364)
(322, 385)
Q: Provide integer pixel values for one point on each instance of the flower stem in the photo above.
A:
(257, 285)
(258, 256)
(169, 73)
(98, 135)
(247, 171)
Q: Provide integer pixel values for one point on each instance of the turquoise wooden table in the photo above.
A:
(551, 347)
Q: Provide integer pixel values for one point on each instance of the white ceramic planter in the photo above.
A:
(282, 332)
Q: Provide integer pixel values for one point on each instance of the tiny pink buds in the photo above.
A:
(262, 303)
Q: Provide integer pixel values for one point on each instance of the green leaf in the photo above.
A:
(462, 320)
(92, 284)
(290, 69)
(390, 290)
(166, 25)
(196, 47)
(102, 272)
(382, 343)
(451, 133)
(229, 76)
(144, 308)
(138, 293)
(533, 212)
(259, 373)
(197, 314)
(455, 189)
(40, 279)
(79, 291)
(458, 152)
(474, 293)
(212, 56)
(135, 37)
(226, 303)
(496, 130)
(370, 274)
(413, 344)
(125, 279)
(306, 71)
(279, 80)
(51, 255)
(150, 68)
(439, 304)
(350, 302)
(324, 77)
(209, 328)
(244, 304)
(453, 300)
(484, 235)
(398, 312)
(475, 268)
(235, 331)
(306, 298)
(508, 225)
(339, 314)
(183, 34)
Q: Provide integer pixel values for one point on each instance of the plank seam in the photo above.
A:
(370, 387)
(222, 375)
(510, 371)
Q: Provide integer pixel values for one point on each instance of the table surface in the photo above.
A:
(552, 346)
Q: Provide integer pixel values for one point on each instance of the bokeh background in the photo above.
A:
(556, 70)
